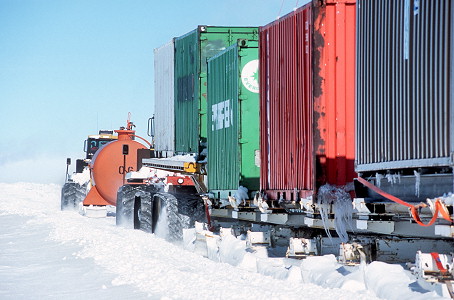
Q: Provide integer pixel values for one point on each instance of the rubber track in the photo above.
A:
(71, 195)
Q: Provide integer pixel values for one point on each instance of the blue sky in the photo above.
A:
(70, 68)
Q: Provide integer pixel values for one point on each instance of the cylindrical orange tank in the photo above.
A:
(108, 167)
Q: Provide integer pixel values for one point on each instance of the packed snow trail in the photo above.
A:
(34, 267)
(92, 258)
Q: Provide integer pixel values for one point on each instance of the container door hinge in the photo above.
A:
(242, 97)
(242, 141)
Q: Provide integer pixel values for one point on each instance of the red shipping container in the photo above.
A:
(307, 94)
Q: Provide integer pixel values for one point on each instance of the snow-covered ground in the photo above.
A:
(49, 254)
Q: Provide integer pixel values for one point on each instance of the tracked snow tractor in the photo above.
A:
(107, 163)
(75, 188)
(163, 197)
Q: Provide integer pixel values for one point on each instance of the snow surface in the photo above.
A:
(81, 178)
(49, 254)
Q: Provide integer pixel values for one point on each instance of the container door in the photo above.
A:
(223, 148)
(164, 99)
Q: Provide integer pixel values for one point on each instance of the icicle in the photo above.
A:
(378, 178)
(324, 200)
(343, 211)
(342, 208)
(389, 177)
(397, 177)
(393, 178)
(417, 182)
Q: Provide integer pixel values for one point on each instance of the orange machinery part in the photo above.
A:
(109, 166)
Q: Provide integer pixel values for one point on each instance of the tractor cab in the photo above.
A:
(92, 144)
(95, 142)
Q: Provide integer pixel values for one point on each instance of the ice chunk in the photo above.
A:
(239, 197)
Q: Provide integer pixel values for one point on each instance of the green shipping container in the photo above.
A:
(192, 51)
(233, 119)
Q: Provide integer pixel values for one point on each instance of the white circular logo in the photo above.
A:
(250, 76)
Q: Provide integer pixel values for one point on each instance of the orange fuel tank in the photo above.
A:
(109, 165)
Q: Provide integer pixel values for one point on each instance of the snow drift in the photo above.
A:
(141, 265)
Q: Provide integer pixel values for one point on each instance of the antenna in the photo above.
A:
(280, 10)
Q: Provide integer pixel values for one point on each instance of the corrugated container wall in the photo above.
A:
(191, 54)
(404, 84)
(307, 99)
(164, 122)
(233, 119)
